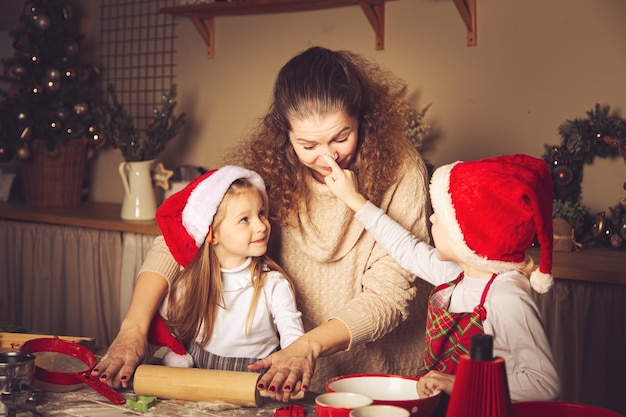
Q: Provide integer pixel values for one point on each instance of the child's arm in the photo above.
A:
(406, 249)
(282, 304)
(343, 184)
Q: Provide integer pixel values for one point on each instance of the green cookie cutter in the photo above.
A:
(141, 402)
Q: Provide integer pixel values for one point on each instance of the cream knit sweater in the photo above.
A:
(340, 272)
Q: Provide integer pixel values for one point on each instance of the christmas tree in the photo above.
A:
(49, 93)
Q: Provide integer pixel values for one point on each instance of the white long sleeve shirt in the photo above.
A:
(512, 316)
(277, 321)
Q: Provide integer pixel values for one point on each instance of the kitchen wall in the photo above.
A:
(537, 64)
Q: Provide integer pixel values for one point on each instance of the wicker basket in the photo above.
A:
(55, 179)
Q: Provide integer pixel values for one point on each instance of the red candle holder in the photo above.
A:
(480, 387)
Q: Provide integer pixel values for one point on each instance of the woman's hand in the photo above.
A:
(130, 347)
(290, 370)
(124, 355)
(343, 183)
(433, 382)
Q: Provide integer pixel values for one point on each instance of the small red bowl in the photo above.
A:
(387, 389)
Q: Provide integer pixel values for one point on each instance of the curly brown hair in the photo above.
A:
(320, 81)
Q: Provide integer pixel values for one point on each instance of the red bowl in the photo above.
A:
(397, 390)
(560, 409)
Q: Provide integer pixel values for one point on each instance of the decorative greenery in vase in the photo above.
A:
(122, 133)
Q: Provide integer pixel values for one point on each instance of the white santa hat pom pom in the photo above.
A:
(178, 361)
(541, 282)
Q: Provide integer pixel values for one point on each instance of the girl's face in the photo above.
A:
(440, 238)
(244, 230)
(334, 134)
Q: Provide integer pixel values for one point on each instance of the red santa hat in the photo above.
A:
(186, 216)
(493, 208)
(160, 335)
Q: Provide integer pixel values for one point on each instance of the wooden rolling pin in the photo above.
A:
(194, 384)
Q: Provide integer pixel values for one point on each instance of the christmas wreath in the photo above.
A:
(601, 134)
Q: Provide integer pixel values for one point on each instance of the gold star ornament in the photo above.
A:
(161, 176)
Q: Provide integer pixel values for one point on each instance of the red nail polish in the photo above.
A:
(287, 388)
(104, 377)
(260, 386)
(305, 387)
(272, 389)
(124, 378)
(95, 370)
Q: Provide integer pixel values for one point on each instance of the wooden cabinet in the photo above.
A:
(584, 317)
(70, 271)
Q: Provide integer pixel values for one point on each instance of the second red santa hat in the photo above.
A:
(493, 208)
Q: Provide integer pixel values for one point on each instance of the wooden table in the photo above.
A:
(87, 402)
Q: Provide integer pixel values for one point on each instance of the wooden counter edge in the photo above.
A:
(594, 265)
(13, 341)
(605, 266)
(103, 216)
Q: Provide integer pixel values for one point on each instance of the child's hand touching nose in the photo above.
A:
(343, 183)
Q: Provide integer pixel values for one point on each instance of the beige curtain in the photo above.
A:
(586, 324)
(61, 280)
(135, 247)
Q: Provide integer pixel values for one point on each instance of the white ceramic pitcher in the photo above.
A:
(139, 202)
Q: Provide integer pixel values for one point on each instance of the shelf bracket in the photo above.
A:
(375, 13)
(467, 10)
(206, 28)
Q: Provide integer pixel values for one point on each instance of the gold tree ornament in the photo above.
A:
(23, 153)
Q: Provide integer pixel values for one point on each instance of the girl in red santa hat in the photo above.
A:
(486, 213)
(230, 305)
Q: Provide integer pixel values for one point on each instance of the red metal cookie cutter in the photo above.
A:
(290, 411)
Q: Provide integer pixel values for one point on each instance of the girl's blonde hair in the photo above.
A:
(196, 292)
(320, 81)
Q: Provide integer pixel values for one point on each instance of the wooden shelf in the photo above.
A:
(203, 15)
(104, 216)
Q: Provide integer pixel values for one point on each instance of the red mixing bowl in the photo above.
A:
(388, 389)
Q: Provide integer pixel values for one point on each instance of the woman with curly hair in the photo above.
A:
(361, 311)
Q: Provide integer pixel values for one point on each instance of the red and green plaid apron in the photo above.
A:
(449, 335)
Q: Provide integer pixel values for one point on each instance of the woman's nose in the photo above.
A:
(327, 150)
